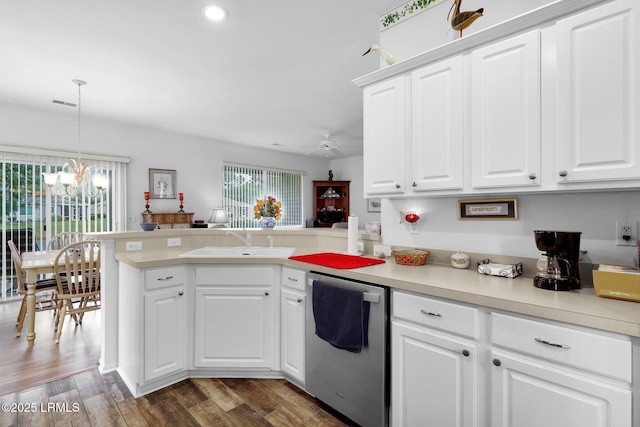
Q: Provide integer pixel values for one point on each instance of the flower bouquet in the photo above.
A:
(268, 208)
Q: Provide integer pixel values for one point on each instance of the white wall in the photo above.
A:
(351, 169)
(197, 161)
(594, 214)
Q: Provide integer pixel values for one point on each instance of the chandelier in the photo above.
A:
(75, 177)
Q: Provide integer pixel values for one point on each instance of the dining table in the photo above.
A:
(35, 264)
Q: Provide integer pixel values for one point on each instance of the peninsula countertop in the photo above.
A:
(580, 307)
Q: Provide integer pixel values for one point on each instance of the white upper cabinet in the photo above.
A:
(598, 61)
(437, 126)
(547, 101)
(505, 113)
(384, 137)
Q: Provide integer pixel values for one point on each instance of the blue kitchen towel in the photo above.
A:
(341, 316)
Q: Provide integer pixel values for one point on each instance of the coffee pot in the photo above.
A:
(559, 267)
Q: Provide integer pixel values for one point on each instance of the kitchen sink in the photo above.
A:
(239, 251)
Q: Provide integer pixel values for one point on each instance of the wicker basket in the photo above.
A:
(411, 257)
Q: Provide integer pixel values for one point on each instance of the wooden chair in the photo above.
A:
(42, 286)
(77, 271)
(63, 239)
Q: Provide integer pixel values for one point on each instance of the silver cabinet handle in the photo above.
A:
(545, 342)
(532, 176)
(266, 293)
(429, 313)
(415, 184)
(465, 353)
(181, 293)
(563, 173)
(299, 300)
(497, 362)
(164, 278)
(397, 185)
(292, 279)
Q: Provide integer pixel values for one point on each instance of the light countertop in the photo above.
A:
(580, 307)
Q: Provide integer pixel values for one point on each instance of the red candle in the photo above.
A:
(146, 195)
(181, 195)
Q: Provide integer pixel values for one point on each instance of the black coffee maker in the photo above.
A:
(559, 267)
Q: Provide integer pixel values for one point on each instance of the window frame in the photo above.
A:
(292, 217)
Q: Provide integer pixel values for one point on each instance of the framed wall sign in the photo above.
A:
(162, 183)
(488, 209)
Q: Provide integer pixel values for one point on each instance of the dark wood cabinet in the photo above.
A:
(330, 202)
(169, 220)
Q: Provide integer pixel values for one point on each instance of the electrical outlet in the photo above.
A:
(626, 233)
(134, 246)
(174, 241)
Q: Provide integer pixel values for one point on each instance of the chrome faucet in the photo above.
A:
(246, 240)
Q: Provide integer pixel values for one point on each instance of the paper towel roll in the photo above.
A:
(352, 235)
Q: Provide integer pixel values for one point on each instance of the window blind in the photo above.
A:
(244, 185)
(28, 205)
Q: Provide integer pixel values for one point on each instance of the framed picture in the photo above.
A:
(488, 209)
(162, 183)
(374, 205)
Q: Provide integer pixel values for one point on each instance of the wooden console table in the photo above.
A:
(169, 219)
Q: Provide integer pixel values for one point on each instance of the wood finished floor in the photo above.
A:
(61, 386)
(25, 366)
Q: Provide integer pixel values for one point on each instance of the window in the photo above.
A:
(30, 212)
(244, 185)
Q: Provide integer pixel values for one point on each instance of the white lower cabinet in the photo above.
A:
(235, 321)
(152, 327)
(527, 393)
(165, 320)
(456, 365)
(292, 318)
(434, 379)
(550, 375)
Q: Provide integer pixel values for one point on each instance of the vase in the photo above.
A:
(267, 222)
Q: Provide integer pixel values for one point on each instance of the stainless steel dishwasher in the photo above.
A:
(354, 384)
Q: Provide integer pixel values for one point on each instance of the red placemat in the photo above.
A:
(334, 260)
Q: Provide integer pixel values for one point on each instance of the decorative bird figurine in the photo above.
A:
(461, 20)
(384, 53)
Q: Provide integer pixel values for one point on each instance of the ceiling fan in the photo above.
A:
(328, 145)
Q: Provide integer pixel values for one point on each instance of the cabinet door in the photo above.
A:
(433, 379)
(165, 331)
(384, 137)
(234, 327)
(527, 393)
(598, 62)
(505, 113)
(437, 123)
(292, 333)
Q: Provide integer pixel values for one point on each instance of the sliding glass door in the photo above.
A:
(31, 214)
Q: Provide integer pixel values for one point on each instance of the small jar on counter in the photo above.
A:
(460, 260)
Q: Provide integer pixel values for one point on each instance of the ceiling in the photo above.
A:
(276, 74)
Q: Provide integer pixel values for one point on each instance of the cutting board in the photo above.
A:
(336, 260)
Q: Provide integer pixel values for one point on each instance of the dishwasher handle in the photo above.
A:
(367, 296)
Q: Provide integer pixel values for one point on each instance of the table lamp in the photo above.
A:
(218, 218)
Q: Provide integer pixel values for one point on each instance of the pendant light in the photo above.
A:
(75, 177)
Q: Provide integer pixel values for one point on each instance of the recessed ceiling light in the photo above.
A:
(214, 13)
